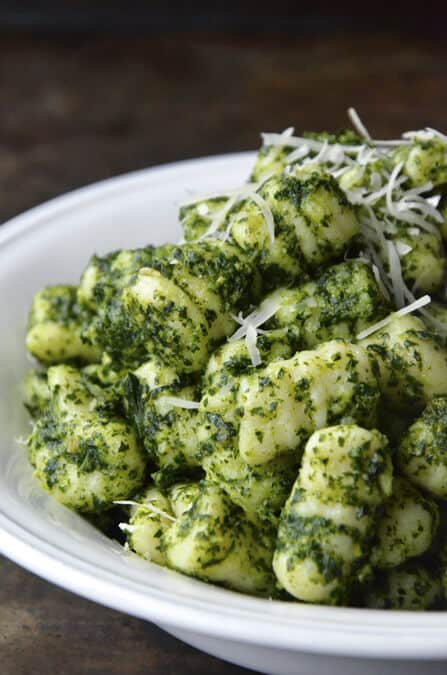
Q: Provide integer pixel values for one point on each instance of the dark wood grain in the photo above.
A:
(47, 631)
(75, 109)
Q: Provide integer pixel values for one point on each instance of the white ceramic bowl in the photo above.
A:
(51, 244)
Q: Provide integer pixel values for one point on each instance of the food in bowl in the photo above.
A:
(264, 405)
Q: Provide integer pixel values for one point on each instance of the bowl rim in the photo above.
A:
(210, 610)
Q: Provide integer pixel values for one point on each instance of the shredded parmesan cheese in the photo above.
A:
(203, 209)
(298, 154)
(250, 340)
(165, 403)
(128, 528)
(402, 248)
(249, 192)
(379, 281)
(219, 218)
(358, 124)
(395, 272)
(417, 304)
(147, 505)
(427, 134)
(434, 200)
(266, 212)
(250, 327)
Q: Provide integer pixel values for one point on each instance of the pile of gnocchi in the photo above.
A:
(263, 405)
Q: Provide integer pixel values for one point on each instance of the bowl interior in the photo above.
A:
(52, 244)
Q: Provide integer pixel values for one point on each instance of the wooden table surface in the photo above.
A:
(75, 109)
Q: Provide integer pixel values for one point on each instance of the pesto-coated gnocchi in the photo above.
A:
(84, 454)
(54, 331)
(340, 303)
(414, 586)
(424, 160)
(152, 515)
(285, 402)
(411, 361)
(36, 393)
(325, 531)
(311, 223)
(407, 526)
(167, 430)
(422, 452)
(214, 541)
(175, 303)
(263, 405)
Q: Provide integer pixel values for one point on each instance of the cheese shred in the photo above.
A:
(147, 505)
(417, 304)
(249, 327)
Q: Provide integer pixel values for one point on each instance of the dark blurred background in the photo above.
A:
(250, 16)
(93, 89)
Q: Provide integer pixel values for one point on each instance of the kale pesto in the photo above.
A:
(212, 403)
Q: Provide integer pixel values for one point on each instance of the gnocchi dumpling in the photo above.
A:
(407, 526)
(84, 454)
(214, 541)
(411, 361)
(55, 326)
(325, 531)
(414, 586)
(422, 452)
(286, 401)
